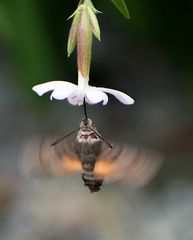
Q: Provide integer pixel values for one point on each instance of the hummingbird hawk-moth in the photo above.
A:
(90, 154)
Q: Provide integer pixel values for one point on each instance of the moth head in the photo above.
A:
(87, 123)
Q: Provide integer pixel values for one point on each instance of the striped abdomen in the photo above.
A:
(88, 148)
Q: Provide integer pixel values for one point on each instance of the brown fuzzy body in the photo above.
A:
(88, 148)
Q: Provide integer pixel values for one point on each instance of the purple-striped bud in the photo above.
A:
(83, 26)
(84, 42)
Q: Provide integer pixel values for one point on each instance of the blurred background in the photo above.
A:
(149, 57)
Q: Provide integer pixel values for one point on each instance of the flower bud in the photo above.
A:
(84, 41)
(84, 24)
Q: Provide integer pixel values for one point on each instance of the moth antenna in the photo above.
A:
(85, 111)
(62, 138)
(108, 143)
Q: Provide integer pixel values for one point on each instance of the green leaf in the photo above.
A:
(122, 7)
(72, 38)
(90, 5)
(94, 23)
(80, 2)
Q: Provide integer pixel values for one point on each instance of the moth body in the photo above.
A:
(88, 148)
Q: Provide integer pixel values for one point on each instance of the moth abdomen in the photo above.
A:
(88, 149)
(91, 182)
(88, 166)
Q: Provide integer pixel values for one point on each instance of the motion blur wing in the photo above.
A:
(132, 165)
(41, 159)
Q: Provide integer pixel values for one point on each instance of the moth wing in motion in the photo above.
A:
(135, 166)
(41, 159)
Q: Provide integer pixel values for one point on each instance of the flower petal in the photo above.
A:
(40, 89)
(122, 97)
(63, 92)
(76, 98)
(61, 89)
(94, 95)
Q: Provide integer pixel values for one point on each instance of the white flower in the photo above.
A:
(75, 94)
